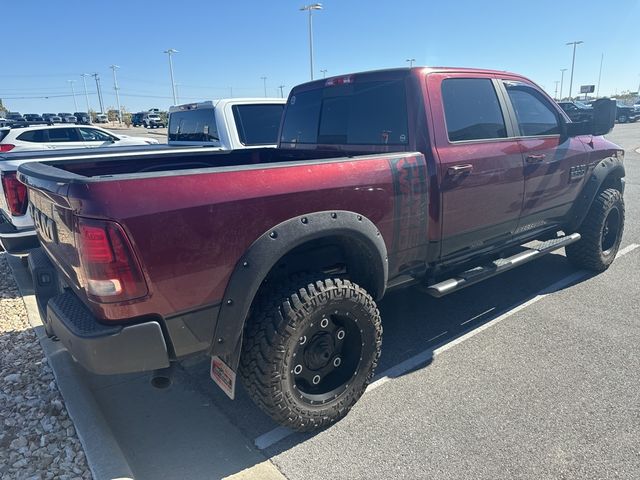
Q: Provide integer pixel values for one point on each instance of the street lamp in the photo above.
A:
(86, 94)
(281, 90)
(170, 52)
(115, 87)
(324, 73)
(410, 60)
(562, 70)
(573, 62)
(310, 9)
(555, 95)
(264, 84)
(75, 103)
(99, 90)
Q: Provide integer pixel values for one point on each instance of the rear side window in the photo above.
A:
(33, 136)
(534, 113)
(258, 124)
(359, 113)
(193, 126)
(3, 133)
(63, 135)
(472, 109)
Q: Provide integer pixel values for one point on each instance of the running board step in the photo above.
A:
(478, 274)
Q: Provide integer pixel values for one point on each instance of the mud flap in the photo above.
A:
(223, 376)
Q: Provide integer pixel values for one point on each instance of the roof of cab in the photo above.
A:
(219, 103)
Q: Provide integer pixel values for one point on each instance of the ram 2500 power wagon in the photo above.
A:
(271, 260)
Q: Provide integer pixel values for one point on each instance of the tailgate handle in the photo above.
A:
(535, 158)
(459, 169)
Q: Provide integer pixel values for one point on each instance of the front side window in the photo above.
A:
(358, 113)
(63, 135)
(472, 109)
(193, 126)
(92, 135)
(258, 124)
(534, 113)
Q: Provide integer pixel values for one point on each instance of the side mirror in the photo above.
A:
(604, 116)
(602, 122)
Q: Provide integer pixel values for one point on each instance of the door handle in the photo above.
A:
(459, 169)
(536, 158)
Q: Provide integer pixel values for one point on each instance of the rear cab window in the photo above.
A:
(351, 113)
(197, 125)
(472, 110)
(258, 124)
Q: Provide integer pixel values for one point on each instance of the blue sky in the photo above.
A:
(231, 44)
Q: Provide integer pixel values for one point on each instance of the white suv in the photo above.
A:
(62, 136)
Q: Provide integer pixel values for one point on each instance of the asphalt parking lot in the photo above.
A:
(533, 374)
(159, 134)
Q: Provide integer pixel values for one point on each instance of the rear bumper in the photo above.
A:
(17, 241)
(99, 348)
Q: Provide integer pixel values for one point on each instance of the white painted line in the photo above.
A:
(279, 433)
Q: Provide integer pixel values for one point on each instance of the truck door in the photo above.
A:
(555, 165)
(481, 165)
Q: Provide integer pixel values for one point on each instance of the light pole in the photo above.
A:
(115, 87)
(562, 70)
(86, 94)
(324, 73)
(75, 103)
(281, 90)
(555, 95)
(310, 9)
(573, 62)
(178, 92)
(410, 60)
(99, 89)
(264, 84)
(599, 75)
(170, 52)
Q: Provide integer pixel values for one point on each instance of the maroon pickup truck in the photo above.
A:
(271, 261)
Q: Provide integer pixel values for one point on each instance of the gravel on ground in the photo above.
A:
(37, 437)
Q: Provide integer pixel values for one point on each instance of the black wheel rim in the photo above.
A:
(610, 231)
(327, 356)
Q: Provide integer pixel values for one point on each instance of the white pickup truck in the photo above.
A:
(230, 124)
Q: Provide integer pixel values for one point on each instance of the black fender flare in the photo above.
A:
(608, 167)
(269, 248)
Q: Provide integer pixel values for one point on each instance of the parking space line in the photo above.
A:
(280, 433)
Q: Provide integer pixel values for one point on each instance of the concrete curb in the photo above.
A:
(104, 456)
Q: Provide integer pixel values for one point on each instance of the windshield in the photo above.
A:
(360, 113)
(193, 126)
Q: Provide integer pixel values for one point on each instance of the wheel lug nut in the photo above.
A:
(324, 323)
(337, 361)
(297, 369)
(340, 334)
(316, 380)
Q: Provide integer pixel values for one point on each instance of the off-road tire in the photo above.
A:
(588, 252)
(279, 320)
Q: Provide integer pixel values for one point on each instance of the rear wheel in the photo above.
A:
(601, 233)
(310, 350)
(622, 119)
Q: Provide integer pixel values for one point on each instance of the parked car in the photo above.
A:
(102, 118)
(5, 122)
(15, 116)
(33, 117)
(271, 260)
(230, 124)
(67, 118)
(82, 118)
(626, 113)
(51, 118)
(577, 111)
(148, 119)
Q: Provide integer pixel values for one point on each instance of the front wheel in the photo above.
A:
(622, 119)
(310, 350)
(601, 233)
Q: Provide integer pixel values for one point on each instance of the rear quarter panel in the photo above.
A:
(190, 229)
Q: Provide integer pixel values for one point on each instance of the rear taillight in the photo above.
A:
(6, 147)
(15, 193)
(110, 269)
